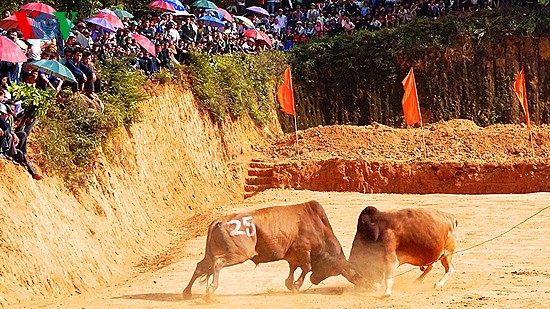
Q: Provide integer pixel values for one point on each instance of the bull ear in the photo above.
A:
(369, 230)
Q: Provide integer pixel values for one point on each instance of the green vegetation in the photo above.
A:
(71, 132)
(464, 67)
(238, 83)
(36, 102)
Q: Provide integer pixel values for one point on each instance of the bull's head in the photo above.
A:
(366, 250)
(328, 266)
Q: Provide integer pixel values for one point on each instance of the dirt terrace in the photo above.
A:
(455, 156)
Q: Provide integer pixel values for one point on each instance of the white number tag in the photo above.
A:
(250, 228)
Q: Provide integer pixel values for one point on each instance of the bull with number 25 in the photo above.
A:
(299, 234)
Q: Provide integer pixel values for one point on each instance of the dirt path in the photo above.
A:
(510, 272)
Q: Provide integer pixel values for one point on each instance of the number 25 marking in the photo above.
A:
(250, 227)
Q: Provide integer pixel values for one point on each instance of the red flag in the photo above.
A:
(411, 108)
(285, 94)
(519, 86)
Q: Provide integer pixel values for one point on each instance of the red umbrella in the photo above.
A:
(226, 15)
(113, 19)
(10, 52)
(12, 23)
(145, 43)
(161, 6)
(37, 7)
(258, 36)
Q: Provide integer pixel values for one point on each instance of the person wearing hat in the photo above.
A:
(9, 141)
(282, 19)
(71, 40)
(299, 28)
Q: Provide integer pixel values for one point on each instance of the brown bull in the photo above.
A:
(299, 234)
(385, 240)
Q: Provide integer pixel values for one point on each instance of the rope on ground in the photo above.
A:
(503, 233)
(488, 240)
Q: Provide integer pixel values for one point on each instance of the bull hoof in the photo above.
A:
(385, 296)
(295, 289)
(186, 294)
(438, 286)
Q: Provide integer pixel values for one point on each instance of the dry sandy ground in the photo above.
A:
(509, 272)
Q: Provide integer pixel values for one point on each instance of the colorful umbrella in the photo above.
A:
(101, 23)
(161, 6)
(204, 4)
(54, 68)
(247, 22)
(37, 7)
(258, 10)
(145, 43)
(178, 13)
(10, 52)
(178, 6)
(123, 14)
(226, 15)
(212, 21)
(111, 18)
(214, 13)
(258, 36)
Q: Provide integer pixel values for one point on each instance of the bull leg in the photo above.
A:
(423, 275)
(447, 262)
(305, 258)
(290, 279)
(203, 268)
(218, 265)
(390, 269)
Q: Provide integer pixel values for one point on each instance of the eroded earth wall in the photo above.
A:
(173, 164)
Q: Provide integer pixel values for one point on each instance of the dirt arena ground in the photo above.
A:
(509, 272)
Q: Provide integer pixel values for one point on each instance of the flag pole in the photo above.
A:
(531, 139)
(423, 140)
(296, 130)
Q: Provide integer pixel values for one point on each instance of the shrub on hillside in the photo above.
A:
(70, 132)
(237, 84)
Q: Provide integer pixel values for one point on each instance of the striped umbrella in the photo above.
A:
(162, 6)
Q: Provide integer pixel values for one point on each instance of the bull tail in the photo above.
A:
(203, 280)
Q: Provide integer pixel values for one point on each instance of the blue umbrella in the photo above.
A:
(54, 68)
(102, 23)
(216, 13)
(212, 21)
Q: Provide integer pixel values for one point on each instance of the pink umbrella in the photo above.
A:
(145, 43)
(37, 7)
(10, 52)
(226, 15)
(258, 36)
(111, 18)
(161, 6)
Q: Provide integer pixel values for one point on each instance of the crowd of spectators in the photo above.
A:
(174, 35)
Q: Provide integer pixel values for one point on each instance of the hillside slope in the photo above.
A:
(56, 242)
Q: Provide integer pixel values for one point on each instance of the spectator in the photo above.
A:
(9, 141)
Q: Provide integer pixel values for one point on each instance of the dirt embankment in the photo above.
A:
(54, 242)
(446, 157)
